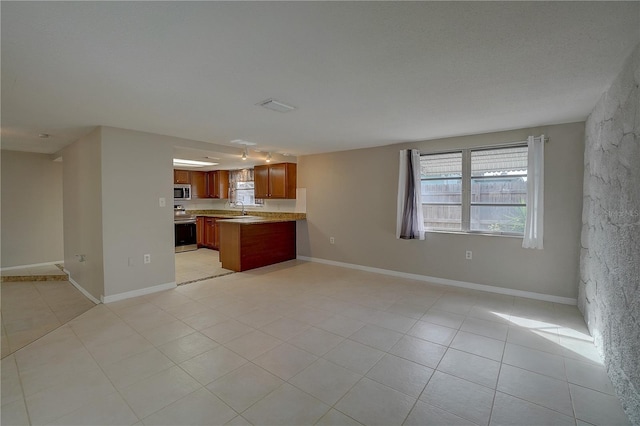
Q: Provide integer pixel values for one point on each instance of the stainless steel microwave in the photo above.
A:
(181, 192)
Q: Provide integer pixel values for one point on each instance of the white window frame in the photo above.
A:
(465, 225)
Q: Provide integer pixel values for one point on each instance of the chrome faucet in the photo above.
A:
(243, 211)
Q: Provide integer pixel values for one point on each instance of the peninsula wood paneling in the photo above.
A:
(248, 246)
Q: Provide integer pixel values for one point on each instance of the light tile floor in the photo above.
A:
(31, 309)
(303, 343)
(197, 265)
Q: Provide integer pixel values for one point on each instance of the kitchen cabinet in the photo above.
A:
(246, 245)
(216, 235)
(275, 181)
(198, 185)
(181, 176)
(209, 232)
(200, 231)
(218, 184)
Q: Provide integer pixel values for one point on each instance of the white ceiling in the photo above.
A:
(361, 73)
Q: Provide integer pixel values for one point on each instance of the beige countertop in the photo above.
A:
(254, 216)
(219, 216)
(253, 220)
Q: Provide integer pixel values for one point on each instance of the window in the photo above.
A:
(441, 181)
(476, 190)
(241, 188)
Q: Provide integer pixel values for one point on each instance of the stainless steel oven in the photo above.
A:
(185, 230)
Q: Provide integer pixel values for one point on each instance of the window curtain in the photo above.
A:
(410, 221)
(533, 230)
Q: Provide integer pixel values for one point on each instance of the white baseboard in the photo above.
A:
(444, 281)
(139, 292)
(33, 265)
(82, 290)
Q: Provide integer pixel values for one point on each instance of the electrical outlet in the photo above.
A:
(332, 240)
(147, 258)
(469, 254)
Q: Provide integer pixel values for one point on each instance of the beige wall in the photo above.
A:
(351, 195)
(113, 180)
(31, 223)
(137, 170)
(82, 208)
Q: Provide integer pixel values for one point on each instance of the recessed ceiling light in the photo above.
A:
(274, 105)
(44, 135)
(192, 163)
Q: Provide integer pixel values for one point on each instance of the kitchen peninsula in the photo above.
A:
(248, 242)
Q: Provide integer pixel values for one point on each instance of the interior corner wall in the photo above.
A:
(31, 200)
(609, 290)
(352, 196)
(137, 170)
(82, 212)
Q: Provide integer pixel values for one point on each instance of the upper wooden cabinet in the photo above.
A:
(198, 185)
(275, 181)
(261, 181)
(214, 184)
(218, 184)
(181, 176)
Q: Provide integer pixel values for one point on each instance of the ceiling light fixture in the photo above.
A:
(192, 163)
(244, 154)
(243, 142)
(268, 157)
(274, 105)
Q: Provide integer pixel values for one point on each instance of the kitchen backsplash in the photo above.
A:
(299, 205)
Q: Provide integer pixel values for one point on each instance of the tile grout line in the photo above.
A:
(332, 313)
(24, 397)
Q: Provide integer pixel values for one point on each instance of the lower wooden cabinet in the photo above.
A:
(200, 231)
(248, 246)
(216, 235)
(208, 232)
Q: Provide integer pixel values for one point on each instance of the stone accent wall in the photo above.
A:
(609, 290)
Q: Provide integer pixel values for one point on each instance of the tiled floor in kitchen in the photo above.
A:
(304, 343)
(196, 265)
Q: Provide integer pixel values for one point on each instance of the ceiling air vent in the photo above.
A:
(274, 105)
